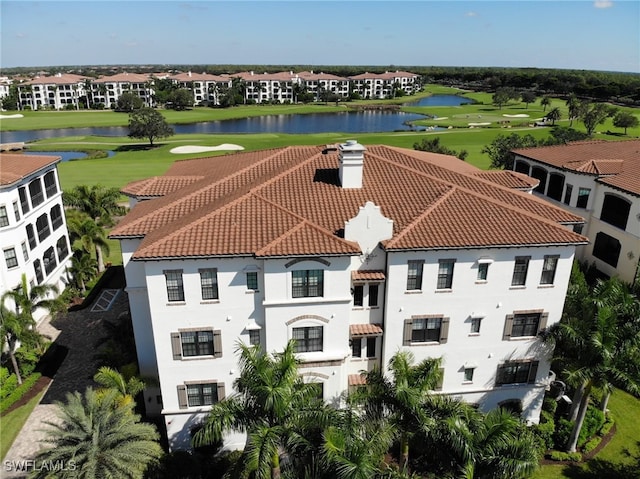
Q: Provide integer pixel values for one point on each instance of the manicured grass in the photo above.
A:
(615, 455)
(11, 424)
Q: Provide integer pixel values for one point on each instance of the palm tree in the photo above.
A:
(88, 92)
(594, 346)
(83, 268)
(97, 201)
(89, 235)
(100, 438)
(554, 115)
(545, 101)
(274, 407)
(11, 329)
(27, 300)
(401, 396)
(573, 106)
(127, 388)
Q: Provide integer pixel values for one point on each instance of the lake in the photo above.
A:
(370, 121)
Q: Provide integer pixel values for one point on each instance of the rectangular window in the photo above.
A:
(520, 271)
(583, 197)
(358, 295)
(475, 325)
(62, 248)
(31, 237)
(202, 394)
(567, 194)
(254, 337)
(37, 267)
(468, 374)
(445, 273)
(371, 347)
(16, 210)
(11, 258)
(308, 339)
(25, 251)
(525, 324)
(607, 248)
(517, 372)
(307, 283)
(42, 225)
(414, 275)
(549, 269)
(373, 295)
(209, 284)
(175, 288)
(483, 271)
(197, 343)
(4, 217)
(426, 330)
(24, 200)
(252, 280)
(356, 347)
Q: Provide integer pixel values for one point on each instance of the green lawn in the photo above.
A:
(613, 462)
(11, 424)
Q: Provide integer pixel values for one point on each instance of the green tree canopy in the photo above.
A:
(129, 102)
(499, 150)
(624, 119)
(148, 123)
(180, 99)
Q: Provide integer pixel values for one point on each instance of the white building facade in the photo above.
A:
(355, 253)
(33, 230)
(599, 180)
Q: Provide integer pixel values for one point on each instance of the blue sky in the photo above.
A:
(576, 34)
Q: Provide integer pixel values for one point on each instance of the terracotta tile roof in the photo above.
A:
(16, 166)
(158, 186)
(63, 79)
(616, 163)
(367, 275)
(509, 179)
(383, 76)
(357, 380)
(192, 76)
(124, 78)
(365, 330)
(288, 202)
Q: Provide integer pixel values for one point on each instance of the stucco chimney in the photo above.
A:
(351, 164)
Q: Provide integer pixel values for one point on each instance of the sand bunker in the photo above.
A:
(17, 115)
(519, 115)
(441, 118)
(479, 124)
(201, 149)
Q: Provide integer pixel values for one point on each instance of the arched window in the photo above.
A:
(607, 248)
(522, 167)
(615, 210)
(541, 175)
(556, 185)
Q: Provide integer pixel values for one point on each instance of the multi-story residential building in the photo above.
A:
(321, 83)
(56, 92)
(33, 230)
(5, 84)
(206, 88)
(107, 90)
(355, 253)
(383, 85)
(599, 180)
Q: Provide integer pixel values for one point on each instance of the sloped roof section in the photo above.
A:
(289, 202)
(616, 163)
(158, 186)
(16, 166)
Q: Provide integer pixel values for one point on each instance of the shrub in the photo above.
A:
(565, 456)
(18, 392)
(593, 421)
(591, 444)
(604, 430)
(545, 430)
(562, 433)
(549, 405)
(8, 382)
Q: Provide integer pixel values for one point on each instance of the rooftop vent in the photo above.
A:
(351, 159)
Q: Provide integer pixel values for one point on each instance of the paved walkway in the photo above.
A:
(81, 332)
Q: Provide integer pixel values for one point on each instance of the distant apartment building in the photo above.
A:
(206, 88)
(107, 90)
(382, 85)
(320, 84)
(56, 92)
(599, 180)
(33, 231)
(355, 252)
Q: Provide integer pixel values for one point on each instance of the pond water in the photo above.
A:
(65, 155)
(441, 100)
(346, 122)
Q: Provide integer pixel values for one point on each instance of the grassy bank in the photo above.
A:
(11, 424)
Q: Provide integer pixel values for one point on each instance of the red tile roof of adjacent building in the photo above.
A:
(510, 179)
(124, 78)
(62, 79)
(288, 202)
(16, 166)
(192, 76)
(363, 275)
(616, 163)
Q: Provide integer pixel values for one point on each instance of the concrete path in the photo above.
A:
(81, 332)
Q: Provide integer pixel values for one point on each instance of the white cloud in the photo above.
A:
(603, 4)
(471, 14)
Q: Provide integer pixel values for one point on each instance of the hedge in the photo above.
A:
(20, 391)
